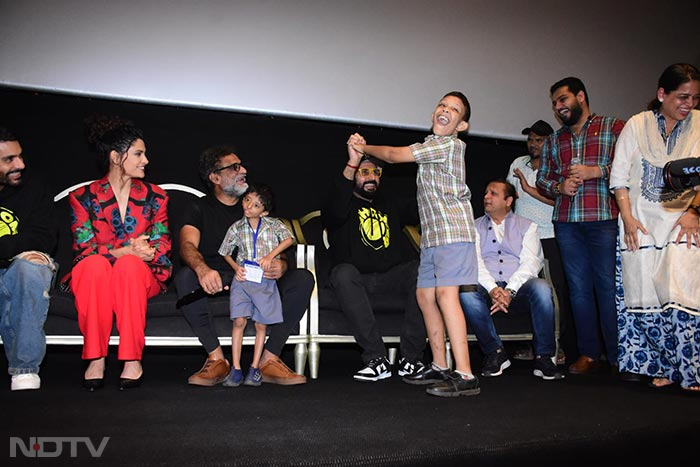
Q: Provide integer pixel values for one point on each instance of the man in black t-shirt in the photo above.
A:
(364, 232)
(205, 224)
(27, 237)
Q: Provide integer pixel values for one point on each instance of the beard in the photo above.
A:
(234, 189)
(575, 113)
(534, 153)
(6, 181)
(364, 193)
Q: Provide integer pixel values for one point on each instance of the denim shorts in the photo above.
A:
(453, 264)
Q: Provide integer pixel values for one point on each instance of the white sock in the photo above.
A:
(465, 375)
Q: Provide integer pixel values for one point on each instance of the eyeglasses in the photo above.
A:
(236, 166)
(364, 171)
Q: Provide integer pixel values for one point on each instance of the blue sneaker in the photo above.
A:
(254, 377)
(234, 378)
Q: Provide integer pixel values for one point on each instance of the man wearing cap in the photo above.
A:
(538, 208)
(364, 231)
(523, 175)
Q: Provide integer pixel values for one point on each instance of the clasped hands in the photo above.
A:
(500, 299)
(578, 173)
(141, 247)
(354, 151)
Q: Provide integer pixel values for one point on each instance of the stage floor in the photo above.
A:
(336, 421)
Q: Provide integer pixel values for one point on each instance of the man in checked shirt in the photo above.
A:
(574, 172)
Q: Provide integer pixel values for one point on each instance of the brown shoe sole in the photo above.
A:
(285, 381)
(588, 370)
(197, 381)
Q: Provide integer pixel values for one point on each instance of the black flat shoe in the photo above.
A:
(126, 383)
(93, 385)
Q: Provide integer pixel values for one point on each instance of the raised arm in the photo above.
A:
(390, 154)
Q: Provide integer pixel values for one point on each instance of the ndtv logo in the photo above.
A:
(50, 446)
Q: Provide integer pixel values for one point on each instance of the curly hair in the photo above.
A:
(210, 160)
(110, 133)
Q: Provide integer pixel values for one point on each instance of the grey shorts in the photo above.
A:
(448, 265)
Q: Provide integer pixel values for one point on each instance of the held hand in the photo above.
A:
(265, 262)
(580, 172)
(355, 156)
(276, 269)
(569, 187)
(690, 229)
(631, 226)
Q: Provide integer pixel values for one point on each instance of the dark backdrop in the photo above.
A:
(296, 157)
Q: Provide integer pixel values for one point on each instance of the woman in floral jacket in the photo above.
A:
(121, 245)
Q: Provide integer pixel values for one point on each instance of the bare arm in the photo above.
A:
(531, 190)
(391, 154)
(209, 279)
(266, 261)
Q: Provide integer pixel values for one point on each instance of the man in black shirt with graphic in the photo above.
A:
(27, 238)
(364, 232)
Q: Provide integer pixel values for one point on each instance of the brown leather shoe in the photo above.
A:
(212, 373)
(584, 365)
(274, 371)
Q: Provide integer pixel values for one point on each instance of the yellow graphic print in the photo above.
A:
(8, 222)
(374, 228)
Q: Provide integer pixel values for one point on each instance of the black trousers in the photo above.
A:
(353, 291)
(295, 288)
(567, 331)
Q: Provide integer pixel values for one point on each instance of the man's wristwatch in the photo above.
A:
(557, 191)
(511, 292)
(694, 207)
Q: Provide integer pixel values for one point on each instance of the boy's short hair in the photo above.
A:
(574, 84)
(465, 103)
(264, 192)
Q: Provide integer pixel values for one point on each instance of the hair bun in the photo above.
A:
(98, 126)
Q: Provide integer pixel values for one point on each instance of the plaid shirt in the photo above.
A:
(444, 205)
(272, 232)
(595, 146)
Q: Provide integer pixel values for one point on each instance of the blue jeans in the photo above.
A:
(24, 303)
(534, 297)
(588, 255)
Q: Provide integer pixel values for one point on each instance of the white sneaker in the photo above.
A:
(376, 369)
(25, 381)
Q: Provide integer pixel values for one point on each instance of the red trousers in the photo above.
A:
(102, 289)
